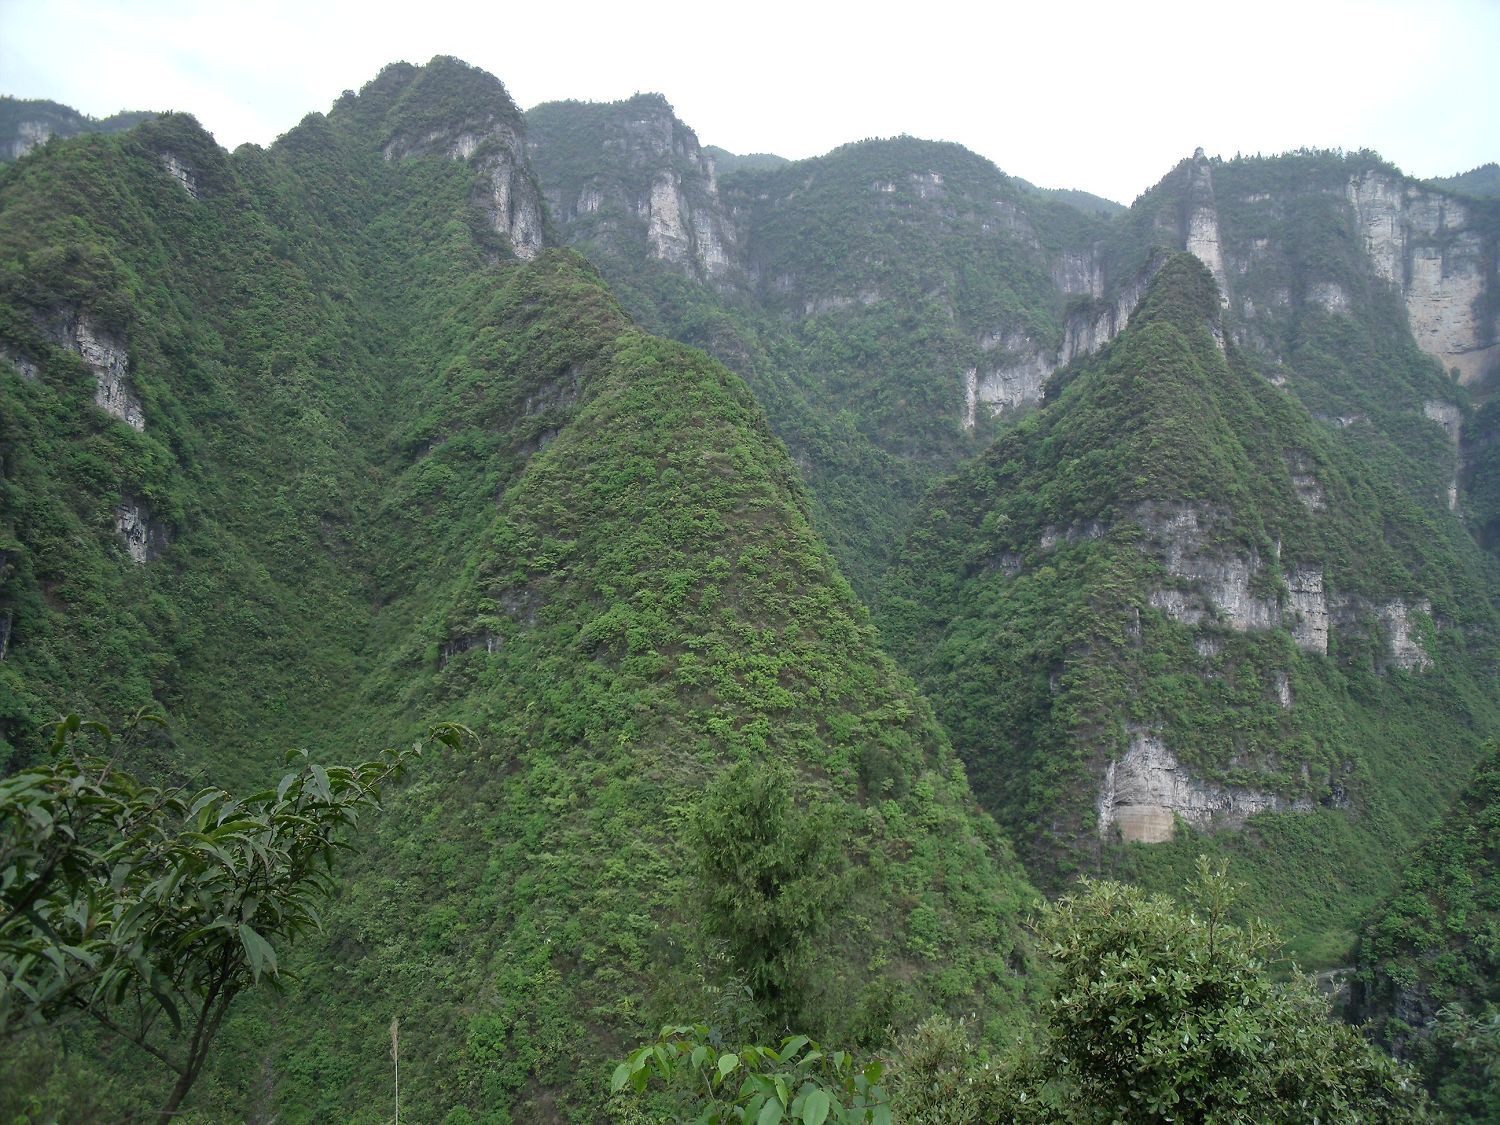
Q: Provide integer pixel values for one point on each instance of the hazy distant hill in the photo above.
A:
(26, 123)
(1482, 182)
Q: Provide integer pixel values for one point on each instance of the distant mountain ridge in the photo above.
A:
(28, 122)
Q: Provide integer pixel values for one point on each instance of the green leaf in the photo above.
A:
(815, 1109)
(320, 781)
(262, 956)
(727, 1062)
(620, 1077)
(770, 1113)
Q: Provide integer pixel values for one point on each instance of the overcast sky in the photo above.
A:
(1104, 95)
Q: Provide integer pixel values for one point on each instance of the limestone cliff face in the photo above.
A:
(106, 357)
(638, 180)
(26, 124)
(1437, 250)
(505, 189)
(1213, 581)
(450, 110)
(1429, 245)
(144, 537)
(28, 135)
(1022, 363)
(1144, 792)
(182, 172)
(1200, 224)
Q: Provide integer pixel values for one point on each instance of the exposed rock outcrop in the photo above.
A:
(1144, 792)
(1307, 608)
(484, 639)
(106, 356)
(180, 172)
(1022, 365)
(102, 351)
(505, 190)
(29, 134)
(1447, 415)
(489, 134)
(1427, 245)
(1200, 234)
(1219, 581)
(1450, 417)
(145, 538)
(654, 174)
(1405, 648)
(1305, 481)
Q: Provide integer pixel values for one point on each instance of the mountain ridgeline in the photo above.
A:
(1171, 529)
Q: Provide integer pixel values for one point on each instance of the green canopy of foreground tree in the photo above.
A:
(1166, 1014)
(150, 909)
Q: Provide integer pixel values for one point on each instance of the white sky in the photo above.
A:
(1104, 95)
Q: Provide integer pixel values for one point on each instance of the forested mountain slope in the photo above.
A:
(889, 301)
(875, 298)
(1173, 612)
(1429, 964)
(319, 443)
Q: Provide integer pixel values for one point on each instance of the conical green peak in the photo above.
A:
(1183, 293)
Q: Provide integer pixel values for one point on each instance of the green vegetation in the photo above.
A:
(1029, 605)
(860, 287)
(1429, 962)
(1161, 1014)
(21, 119)
(141, 907)
(726, 161)
(1482, 182)
(387, 472)
(798, 1081)
(399, 475)
(1156, 1013)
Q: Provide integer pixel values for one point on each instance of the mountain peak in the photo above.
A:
(1183, 293)
(449, 109)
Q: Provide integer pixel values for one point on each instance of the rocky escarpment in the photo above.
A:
(103, 352)
(182, 172)
(629, 177)
(106, 357)
(1200, 222)
(453, 111)
(505, 191)
(25, 124)
(1214, 581)
(1450, 417)
(1022, 364)
(1147, 790)
(144, 537)
(28, 134)
(1441, 259)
